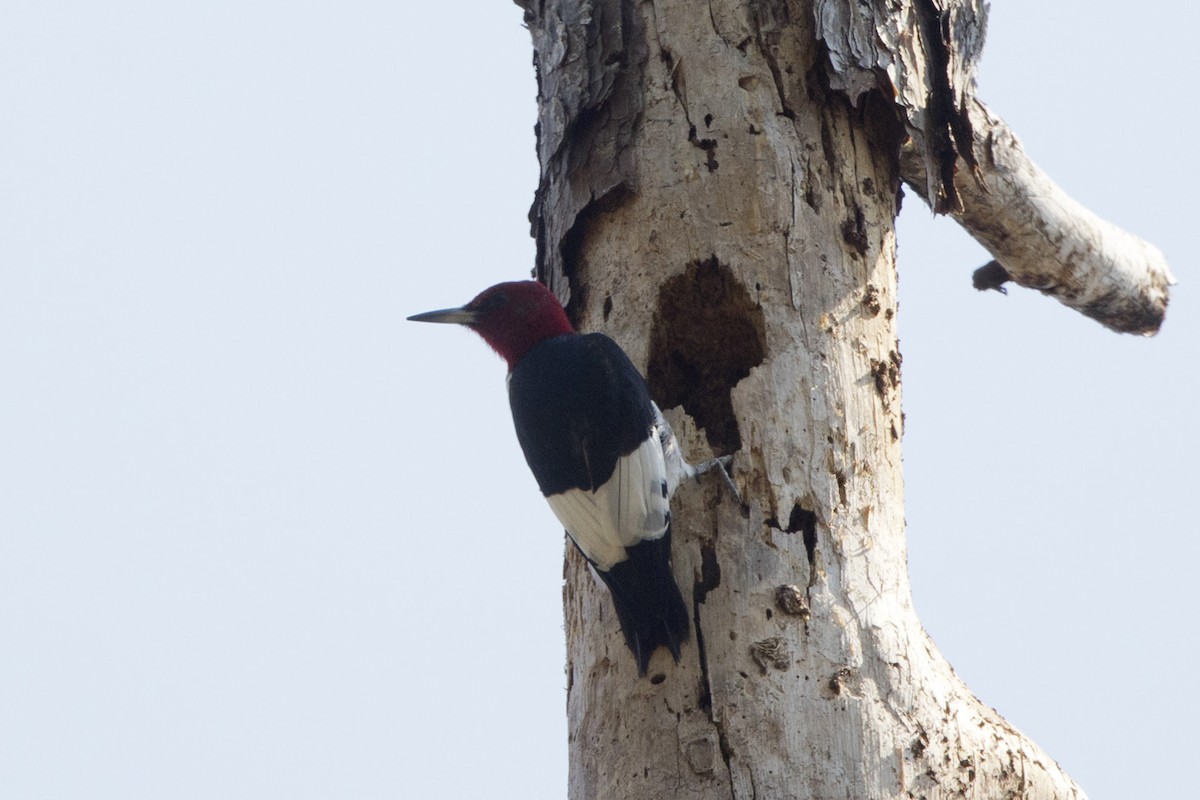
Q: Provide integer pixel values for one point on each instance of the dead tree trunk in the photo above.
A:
(719, 186)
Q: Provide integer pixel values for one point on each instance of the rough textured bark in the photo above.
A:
(925, 52)
(719, 186)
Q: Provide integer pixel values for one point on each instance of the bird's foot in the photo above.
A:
(721, 464)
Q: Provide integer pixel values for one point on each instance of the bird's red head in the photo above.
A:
(511, 317)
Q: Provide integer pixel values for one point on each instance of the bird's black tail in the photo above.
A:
(647, 599)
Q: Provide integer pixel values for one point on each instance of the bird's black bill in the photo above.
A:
(461, 316)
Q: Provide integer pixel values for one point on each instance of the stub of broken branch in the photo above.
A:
(1045, 240)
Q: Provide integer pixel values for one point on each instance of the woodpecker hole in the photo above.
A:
(804, 521)
(708, 334)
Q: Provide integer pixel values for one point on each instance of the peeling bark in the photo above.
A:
(964, 161)
(925, 52)
(718, 193)
(588, 57)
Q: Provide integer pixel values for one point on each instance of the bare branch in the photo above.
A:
(966, 162)
(1045, 240)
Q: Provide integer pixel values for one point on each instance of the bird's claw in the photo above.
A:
(722, 464)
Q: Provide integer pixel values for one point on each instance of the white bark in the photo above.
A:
(963, 160)
(1042, 239)
(718, 194)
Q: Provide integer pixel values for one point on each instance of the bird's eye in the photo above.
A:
(492, 302)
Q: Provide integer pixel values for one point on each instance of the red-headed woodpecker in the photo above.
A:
(599, 448)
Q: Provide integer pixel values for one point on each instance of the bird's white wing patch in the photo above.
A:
(631, 507)
(677, 468)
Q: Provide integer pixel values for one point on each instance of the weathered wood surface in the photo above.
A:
(719, 187)
(1043, 239)
(964, 161)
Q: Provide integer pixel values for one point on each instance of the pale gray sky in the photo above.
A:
(260, 537)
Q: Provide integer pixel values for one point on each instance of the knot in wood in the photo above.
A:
(771, 652)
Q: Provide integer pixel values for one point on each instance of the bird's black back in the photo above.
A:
(578, 405)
